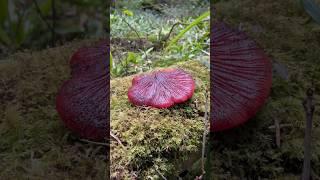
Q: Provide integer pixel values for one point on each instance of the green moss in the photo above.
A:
(34, 144)
(156, 137)
(250, 152)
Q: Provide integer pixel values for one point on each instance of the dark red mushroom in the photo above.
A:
(82, 100)
(161, 89)
(241, 76)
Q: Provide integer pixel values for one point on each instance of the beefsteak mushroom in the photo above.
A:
(162, 88)
(82, 100)
(241, 74)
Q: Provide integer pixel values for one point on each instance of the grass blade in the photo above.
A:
(184, 31)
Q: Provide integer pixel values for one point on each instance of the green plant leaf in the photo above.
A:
(149, 50)
(312, 9)
(127, 12)
(3, 10)
(132, 58)
(184, 31)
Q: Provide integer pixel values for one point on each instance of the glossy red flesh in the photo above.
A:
(161, 89)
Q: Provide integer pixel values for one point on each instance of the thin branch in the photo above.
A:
(51, 28)
(94, 142)
(205, 132)
(207, 53)
(278, 132)
(171, 30)
(139, 37)
(116, 138)
(281, 126)
(309, 107)
(41, 15)
(132, 28)
(162, 176)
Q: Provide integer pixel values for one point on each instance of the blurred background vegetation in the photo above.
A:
(37, 24)
(142, 31)
(289, 33)
(34, 143)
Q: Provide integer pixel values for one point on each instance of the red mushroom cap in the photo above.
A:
(241, 77)
(82, 100)
(161, 89)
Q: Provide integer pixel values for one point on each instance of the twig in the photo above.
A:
(41, 15)
(309, 107)
(205, 121)
(208, 166)
(132, 28)
(171, 30)
(162, 176)
(93, 142)
(205, 52)
(162, 41)
(116, 138)
(278, 135)
(277, 126)
(281, 126)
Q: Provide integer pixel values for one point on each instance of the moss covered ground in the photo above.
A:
(292, 40)
(156, 138)
(34, 144)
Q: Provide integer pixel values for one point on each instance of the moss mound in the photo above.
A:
(34, 144)
(291, 39)
(156, 138)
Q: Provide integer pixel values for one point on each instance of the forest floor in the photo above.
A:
(157, 142)
(157, 139)
(34, 143)
(292, 40)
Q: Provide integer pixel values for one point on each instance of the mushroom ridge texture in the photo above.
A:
(162, 88)
(82, 100)
(241, 74)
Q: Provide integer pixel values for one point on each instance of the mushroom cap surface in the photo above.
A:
(241, 74)
(82, 100)
(162, 88)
